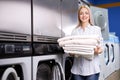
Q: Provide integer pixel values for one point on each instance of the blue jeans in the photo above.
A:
(90, 77)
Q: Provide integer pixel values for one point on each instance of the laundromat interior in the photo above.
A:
(29, 33)
(113, 7)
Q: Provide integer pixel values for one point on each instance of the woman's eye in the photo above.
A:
(81, 13)
(86, 13)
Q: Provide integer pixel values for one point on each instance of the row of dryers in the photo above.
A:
(18, 63)
(110, 57)
(43, 68)
(29, 30)
(28, 34)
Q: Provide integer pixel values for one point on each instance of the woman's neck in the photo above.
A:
(83, 25)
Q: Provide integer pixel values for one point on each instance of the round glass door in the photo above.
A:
(100, 20)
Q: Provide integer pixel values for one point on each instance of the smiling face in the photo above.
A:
(84, 15)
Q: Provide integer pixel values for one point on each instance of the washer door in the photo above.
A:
(106, 54)
(43, 72)
(99, 19)
(57, 72)
(10, 74)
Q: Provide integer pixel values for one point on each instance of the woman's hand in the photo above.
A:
(98, 50)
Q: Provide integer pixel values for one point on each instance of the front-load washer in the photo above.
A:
(117, 53)
(15, 40)
(48, 18)
(51, 20)
(69, 20)
(15, 56)
(15, 68)
(100, 18)
(112, 52)
(107, 60)
(47, 68)
(47, 59)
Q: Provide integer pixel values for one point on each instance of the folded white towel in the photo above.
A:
(78, 37)
(80, 52)
(80, 42)
(77, 45)
(80, 49)
(87, 55)
(80, 45)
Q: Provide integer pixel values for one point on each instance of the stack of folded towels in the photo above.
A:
(80, 45)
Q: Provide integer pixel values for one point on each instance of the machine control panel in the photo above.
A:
(15, 49)
(47, 48)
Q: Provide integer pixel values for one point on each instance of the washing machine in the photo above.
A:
(15, 68)
(104, 60)
(106, 63)
(107, 58)
(47, 54)
(15, 59)
(15, 40)
(112, 52)
(117, 52)
(69, 22)
(47, 60)
(100, 18)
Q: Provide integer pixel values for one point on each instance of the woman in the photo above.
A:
(82, 68)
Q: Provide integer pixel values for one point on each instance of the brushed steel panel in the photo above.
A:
(47, 17)
(15, 16)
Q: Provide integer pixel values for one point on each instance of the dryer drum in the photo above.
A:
(43, 72)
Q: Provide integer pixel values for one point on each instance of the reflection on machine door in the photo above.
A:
(43, 72)
(49, 70)
(10, 77)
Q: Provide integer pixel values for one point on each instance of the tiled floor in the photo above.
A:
(114, 76)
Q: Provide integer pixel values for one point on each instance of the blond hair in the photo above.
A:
(90, 20)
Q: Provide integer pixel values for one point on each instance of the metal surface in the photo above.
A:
(100, 17)
(47, 17)
(15, 16)
(7, 36)
(69, 16)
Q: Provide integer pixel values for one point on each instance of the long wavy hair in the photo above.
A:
(90, 20)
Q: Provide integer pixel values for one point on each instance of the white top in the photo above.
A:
(81, 65)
